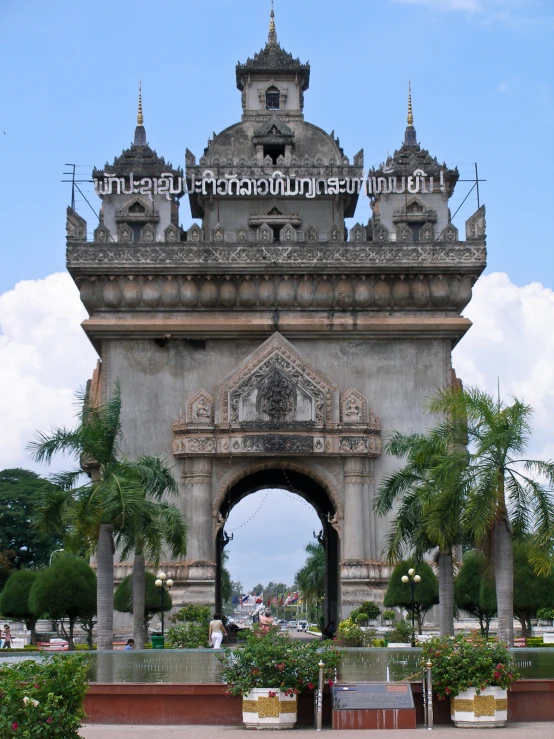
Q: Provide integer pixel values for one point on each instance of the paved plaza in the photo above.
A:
(543, 730)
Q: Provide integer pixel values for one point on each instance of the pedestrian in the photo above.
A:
(130, 645)
(266, 619)
(329, 631)
(216, 631)
(7, 636)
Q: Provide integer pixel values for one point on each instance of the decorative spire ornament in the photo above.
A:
(140, 117)
(272, 37)
(410, 137)
(140, 133)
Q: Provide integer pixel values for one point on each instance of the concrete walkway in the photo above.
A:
(543, 730)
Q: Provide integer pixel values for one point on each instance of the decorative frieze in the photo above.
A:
(222, 443)
(368, 257)
(286, 291)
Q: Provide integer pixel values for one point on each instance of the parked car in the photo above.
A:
(292, 624)
(283, 626)
(302, 625)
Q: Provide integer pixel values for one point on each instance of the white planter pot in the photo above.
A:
(260, 711)
(489, 708)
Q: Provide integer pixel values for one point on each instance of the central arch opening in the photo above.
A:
(311, 491)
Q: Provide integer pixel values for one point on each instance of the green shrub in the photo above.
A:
(546, 614)
(44, 699)
(366, 612)
(378, 643)
(187, 636)
(468, 661)
(534, 641)
(271, 659)
(401, 633)
(193, 613)
(389, 615)
(349, 634)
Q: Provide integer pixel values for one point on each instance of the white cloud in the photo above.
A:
(44, 358)
(512, 341)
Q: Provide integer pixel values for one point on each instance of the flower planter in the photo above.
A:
(489, 708)
(266, 708)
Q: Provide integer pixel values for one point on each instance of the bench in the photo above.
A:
(520, 642)
(54, 645)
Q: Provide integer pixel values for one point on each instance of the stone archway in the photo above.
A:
(303, 482)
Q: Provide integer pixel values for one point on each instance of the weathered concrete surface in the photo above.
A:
(511, 731)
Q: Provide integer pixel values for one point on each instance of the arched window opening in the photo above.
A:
(272, 98)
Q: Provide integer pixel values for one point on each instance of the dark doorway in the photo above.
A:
(314, 494)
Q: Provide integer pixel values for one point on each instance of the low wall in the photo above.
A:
(207, 703)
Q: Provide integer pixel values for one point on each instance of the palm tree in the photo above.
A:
(110, 504)
(506, 496)
(158, 526)
(430, 500)
(311, 577)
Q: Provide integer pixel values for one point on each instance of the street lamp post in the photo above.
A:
(53, 553)
(413, 579)
(163, 582)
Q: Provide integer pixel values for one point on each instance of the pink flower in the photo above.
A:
(49, 720)
(280, 666)
(15, 726)
(271, 694)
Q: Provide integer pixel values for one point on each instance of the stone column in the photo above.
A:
(353, 536)
(197, 508)
(369, 536)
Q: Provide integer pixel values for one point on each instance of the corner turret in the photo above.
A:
(134, 207)
(410, 193)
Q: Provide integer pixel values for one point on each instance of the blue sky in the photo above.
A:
(482, 82)
(481, 73)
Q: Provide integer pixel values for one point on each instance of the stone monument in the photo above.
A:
(267, 346)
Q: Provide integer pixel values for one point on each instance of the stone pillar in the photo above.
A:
(353, 535)
(197, 508)
(196, 580)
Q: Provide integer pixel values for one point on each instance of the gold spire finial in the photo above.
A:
(410, 112)
(140, 117)
(272, 33)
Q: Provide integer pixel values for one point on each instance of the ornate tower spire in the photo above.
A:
(140, 131)
(410, 138)
(140, 118)
(272, 37)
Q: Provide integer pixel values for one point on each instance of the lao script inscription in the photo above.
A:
(372, 696)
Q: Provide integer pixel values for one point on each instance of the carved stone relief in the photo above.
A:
(313, 391)
(200, 408)
(353, 407)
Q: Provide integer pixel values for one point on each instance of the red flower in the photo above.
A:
(311, 686)
(447, 690)
(271, 694)
(496, 674)
(49, 720)
(280, 666)
(331, 682)
(15, 726)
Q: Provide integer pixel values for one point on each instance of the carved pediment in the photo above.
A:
(275, 403)
(276, 386)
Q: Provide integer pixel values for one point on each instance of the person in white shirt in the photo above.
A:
(216, 631)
